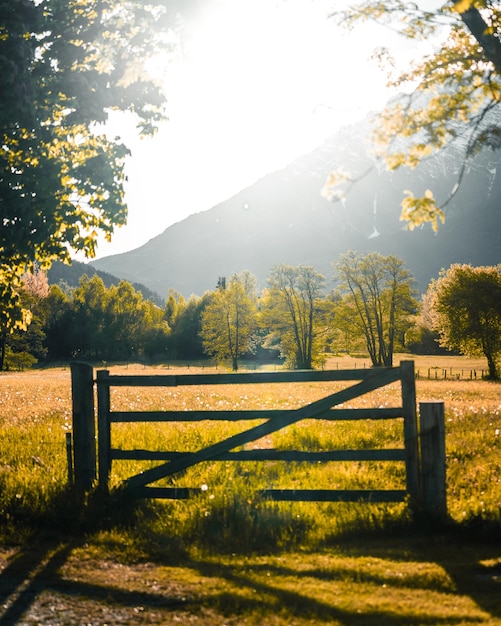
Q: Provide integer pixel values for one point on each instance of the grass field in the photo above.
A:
(228, 557)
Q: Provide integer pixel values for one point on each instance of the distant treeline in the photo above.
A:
(373, 310)
(115, 322)
(96, 322)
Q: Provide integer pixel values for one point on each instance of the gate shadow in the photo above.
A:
(22, 578)
(472, 568)
(37, 569)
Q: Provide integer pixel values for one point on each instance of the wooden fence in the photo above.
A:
(422, 452)
(450, 373)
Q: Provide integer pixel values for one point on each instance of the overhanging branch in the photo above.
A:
(473, 20)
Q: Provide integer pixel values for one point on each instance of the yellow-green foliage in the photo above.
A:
(454, 88)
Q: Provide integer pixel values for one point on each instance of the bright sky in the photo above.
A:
(257, 83)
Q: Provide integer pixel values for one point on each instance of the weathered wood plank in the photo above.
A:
(408, 386)
(289, 376)
(330, 495)
(433, 461)
(83, 424)
(236, 416)
(389, 454)
(104, 430)
(378, 378)
(297, 495)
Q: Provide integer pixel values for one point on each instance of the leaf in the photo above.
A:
(417, 211)
(334, 180)
(461, 6)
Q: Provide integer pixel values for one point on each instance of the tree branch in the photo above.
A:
(476, 24)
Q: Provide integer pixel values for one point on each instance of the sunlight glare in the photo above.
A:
(253, 80)
(252, 86)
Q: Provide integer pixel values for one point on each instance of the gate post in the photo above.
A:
(432, 438)
(84, 429)
(103, 425)
(410, 431)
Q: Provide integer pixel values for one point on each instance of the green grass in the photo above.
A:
(228, 513)
(237, 558)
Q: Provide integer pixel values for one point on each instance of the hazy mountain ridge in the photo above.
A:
(282, 218)
(71, 275)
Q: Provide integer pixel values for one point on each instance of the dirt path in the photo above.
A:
(72, 584)
(52, 586)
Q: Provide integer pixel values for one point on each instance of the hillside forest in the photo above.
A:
(373, 310)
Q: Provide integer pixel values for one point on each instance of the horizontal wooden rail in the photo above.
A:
(236, 416)
(295, 495)
(383, 454)
(173, 380)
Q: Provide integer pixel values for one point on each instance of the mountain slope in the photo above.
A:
(282, 218)
(71, 275)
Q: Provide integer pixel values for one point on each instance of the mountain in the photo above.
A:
(282, 218)
(71, 275)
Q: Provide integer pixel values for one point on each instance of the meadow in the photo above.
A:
(298, 563)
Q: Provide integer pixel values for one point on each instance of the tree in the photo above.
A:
(174, 301)
(378, 300)
(59, 323)
(230, 319)
(422, 339)
(154, 334)
(63, 67)
(185, 341)
(25, 346)
(106, 323)
(293, 310)
(91, 317)
(465, 307)
(346, 334)
(126, 315)
(456, 96)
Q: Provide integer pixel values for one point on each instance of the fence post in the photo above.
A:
(84, 429)
(410, 431)
(103, 428)
(432, 439)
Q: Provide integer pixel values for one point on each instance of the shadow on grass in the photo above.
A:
(37, 569)
(264, 585)
(246, 591)
(468, 555)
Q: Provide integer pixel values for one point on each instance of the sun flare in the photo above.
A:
(252, 86)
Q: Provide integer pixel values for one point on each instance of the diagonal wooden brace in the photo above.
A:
(378, 379)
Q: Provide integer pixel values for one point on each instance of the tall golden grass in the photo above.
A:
(35, 414)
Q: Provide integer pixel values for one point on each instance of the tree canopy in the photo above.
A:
(294, 313)
(64, 66)
(378, 301)
(465, 309)
(371, 311)
(454, 96)
(230, 318)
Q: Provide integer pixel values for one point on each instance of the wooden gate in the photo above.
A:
(362, 382)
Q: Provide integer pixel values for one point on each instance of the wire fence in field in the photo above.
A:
(429, 373)
(450, 373)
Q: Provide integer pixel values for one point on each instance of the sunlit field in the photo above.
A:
(228, 556)
(35, 414)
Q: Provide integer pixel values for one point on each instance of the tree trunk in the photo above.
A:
(3, 341)
(475, 23)
(493, 370)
